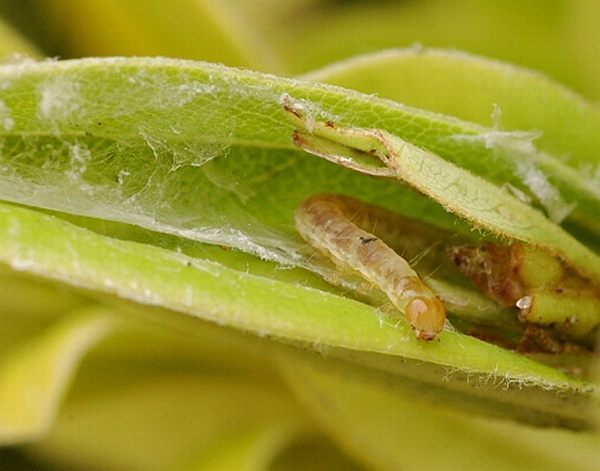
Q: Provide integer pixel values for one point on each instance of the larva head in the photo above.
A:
(426, 316)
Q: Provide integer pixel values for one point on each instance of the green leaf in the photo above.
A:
(387, 427)
(164, 420)
(11, 42)
(214, 292)
(204, 153)
(585, 44)
(34, 377)
(216, 390)
(271, 448)
(192, 29)
(483, 204)
(28, 305)
(481, 90)
(170, 154)
(313, 36)
(113, 158)
(251, 450)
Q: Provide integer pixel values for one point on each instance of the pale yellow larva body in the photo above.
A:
(334, 224)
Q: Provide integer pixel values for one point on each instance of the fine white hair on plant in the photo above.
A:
(6, 119)
(59, 99)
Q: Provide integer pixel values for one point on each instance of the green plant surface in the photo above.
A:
(34, 377)
(295, 36)
(160, 310)
(486, 91)
(13, 43)
(374, 422)
(193, 29)
(111, 157)
(483, 204)
(101, 132)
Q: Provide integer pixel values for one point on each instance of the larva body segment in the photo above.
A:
(335, 225)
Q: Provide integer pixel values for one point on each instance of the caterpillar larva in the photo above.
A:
(335, 224)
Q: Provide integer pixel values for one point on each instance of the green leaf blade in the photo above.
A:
(34, 377)
(114, 158)
(213, 292)
(89, 138)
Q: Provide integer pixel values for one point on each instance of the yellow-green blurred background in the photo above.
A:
(287, 37)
